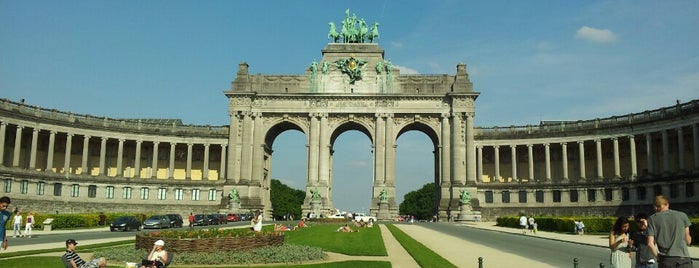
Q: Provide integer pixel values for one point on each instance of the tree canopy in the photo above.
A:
(286, 200)
(420, 203)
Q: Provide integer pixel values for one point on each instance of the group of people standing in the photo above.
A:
(528, 224)
(662, 239)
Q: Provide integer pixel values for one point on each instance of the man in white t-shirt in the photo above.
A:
(17, 225)
(523, 224)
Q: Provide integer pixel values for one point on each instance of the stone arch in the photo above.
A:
(277, 127)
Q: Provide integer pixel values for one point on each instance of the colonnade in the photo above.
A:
(47, 138)
(614, 163)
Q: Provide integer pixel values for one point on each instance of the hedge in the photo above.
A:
(72, 221)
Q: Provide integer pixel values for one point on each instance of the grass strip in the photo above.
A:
(424, 256)
(85, 248)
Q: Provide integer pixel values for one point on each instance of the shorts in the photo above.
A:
(92, 264)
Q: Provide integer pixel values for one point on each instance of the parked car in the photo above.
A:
(245, 217)
(175, 220)
(156, 222)
(232, 217)
(125, 223)
(201, 220)
(215, 219)
(222, 218)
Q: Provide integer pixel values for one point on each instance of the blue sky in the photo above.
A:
(530, 60)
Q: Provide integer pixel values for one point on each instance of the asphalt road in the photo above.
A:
(554, 253)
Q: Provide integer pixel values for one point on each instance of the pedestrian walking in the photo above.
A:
(4, 217)
(668, 235)
(17, 224)
(29, 225)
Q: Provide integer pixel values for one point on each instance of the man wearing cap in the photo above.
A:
(157, 256)
(71, 259)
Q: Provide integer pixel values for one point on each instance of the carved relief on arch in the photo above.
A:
(466, 101)
(241, 101)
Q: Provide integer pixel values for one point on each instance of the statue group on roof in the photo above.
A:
(353, 30)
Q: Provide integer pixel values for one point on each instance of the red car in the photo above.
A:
(232, 217)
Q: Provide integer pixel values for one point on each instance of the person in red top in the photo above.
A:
(29, 225)
(191, 221)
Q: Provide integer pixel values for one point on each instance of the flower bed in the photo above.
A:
(209, 240)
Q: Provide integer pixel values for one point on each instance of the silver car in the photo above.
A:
(156, 221)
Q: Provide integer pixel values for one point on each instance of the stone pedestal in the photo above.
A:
(384, 213)
(234, 207)
(315, 208)
(467, 214)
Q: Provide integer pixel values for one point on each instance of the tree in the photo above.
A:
(286, 200)
(419, 203)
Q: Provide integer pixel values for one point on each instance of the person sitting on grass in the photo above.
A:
(157, 256)
(71, 259)
(345, 229)
(302, 224)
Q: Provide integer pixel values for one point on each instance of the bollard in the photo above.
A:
(601, 265)
(575, 262)
(480, 262)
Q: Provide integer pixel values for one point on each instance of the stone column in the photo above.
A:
(232, 166)
(564, 158)
(695, 137)
(246, 148)
(530, 157)
(680, 150)
(379, 150)
(649, 153)
(445, 149)
(513, 150)
(137, 160)
(324, 150)
(66, 158)
(547, 156)
(634, 168)
(86, 148)
(581, 149)
(666, 152)
(205, 169)
(3, 128)
(103, 156)
(617, 168)
(222, 171)
(52, 146)
(390, 160)
(497, 162)
(120, 158)
(480, 163)
(32, 154)
(470, 149)
(188, 171)
(598, 151)
(313, 152)
(458, 147)
(171, 167)
(18, 145)
(258, 150)
(154, 167)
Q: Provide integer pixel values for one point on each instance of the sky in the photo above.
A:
(530, 61)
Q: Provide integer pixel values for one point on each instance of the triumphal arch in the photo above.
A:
(352, 87)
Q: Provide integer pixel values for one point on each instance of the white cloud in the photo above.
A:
(396, 44)
(596, 35)
(406, 70)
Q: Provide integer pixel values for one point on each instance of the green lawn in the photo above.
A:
(365, 242)
(55, 262)
(424, 256)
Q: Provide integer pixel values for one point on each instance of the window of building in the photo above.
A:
(126, 193)
(522, 196)
(489, 197)
(608, 194)
(641, 193)
(556, 196)
(92, 191)
(625, 194)
(657, 190)
(24, 187)
(74, 190)
(110, 192)
(57, 189)
(212, 194)
(144, 193)
(506, 196)
(179, 194)
(674, 190)
(195, 194)
(574, 195)
(591, 195)
(162, 193)
(8, 185)
(689, 189)
(539, 196)
(40, 188)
